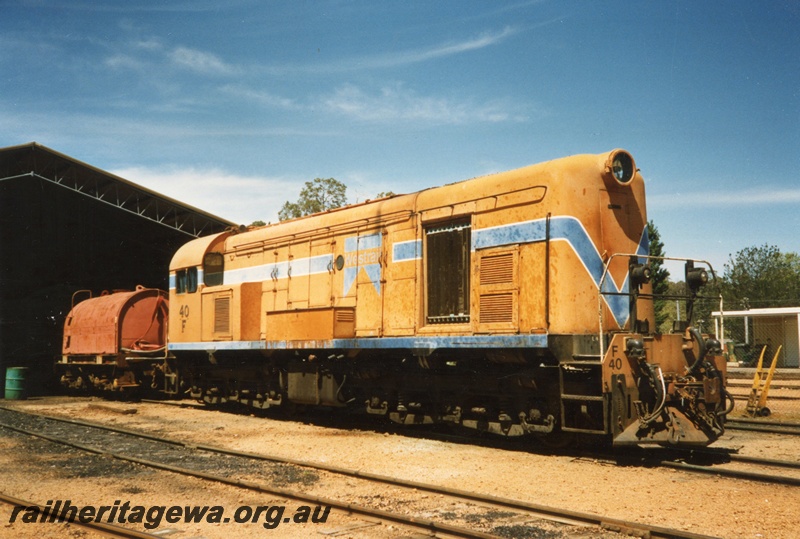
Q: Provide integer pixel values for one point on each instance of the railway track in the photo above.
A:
(741, 467)
(758, 425)
(163, 454)
(707, 461)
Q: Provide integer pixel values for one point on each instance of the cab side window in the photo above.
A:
(186, 281)
(213, 268)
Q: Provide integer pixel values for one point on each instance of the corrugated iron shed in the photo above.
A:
(66, 225)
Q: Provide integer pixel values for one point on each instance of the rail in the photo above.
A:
(535, 510)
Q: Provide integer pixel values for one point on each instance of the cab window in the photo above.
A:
(213, 267)
(186, 281)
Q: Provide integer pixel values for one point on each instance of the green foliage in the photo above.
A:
(660, 276)
(319, 195)
(675, 309)
(258, 223)
(761, 277)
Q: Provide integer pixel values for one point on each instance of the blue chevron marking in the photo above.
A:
(298, 267)
(571, 230)
(363, 252)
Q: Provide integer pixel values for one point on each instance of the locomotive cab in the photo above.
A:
(196, 266)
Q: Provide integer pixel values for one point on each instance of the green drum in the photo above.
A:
(16, 383)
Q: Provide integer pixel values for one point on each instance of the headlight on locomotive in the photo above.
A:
(621, 166)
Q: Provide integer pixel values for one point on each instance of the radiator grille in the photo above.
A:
(345, 315)
(222, 315)
(497, 269)
(497, 308)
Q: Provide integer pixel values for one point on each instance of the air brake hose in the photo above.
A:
(712, 371)
(695, 333)
(731, 403)
(655, 376)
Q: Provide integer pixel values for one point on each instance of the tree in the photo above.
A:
(762, 277)
(660, 275)
(321, 194)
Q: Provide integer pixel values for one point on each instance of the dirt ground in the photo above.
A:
(702, 504)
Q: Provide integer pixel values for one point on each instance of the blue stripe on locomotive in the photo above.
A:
(405, 343)
(569, 229)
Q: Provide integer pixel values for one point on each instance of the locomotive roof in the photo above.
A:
(367, 214)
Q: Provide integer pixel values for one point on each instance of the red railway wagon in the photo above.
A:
(108, 338)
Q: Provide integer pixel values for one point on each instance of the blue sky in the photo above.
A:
(231, 106)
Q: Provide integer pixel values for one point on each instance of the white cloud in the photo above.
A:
(395, 59)
(124, 61)
(200, 61)
(149, 44)
(242, 199)
(396, 103)
(391, 103)
(750, 197)
(261, 97)
(443, 50)
(439, 51)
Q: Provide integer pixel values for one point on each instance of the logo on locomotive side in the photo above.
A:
(363, 253)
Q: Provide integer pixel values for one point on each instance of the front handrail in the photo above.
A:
(601, 294)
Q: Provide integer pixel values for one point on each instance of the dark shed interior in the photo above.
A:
(68, 226)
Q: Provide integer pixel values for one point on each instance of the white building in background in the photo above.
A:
(745, 333)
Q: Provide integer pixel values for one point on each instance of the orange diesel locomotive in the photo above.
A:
(515, 303)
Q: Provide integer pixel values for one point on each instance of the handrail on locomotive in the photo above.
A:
(641, 273)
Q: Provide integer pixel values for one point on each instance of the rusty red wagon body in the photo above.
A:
(106, 335)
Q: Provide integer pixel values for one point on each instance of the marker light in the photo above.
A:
(695, 278)
(640, 274)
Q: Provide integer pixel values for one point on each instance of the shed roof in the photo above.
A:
(36, 161)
